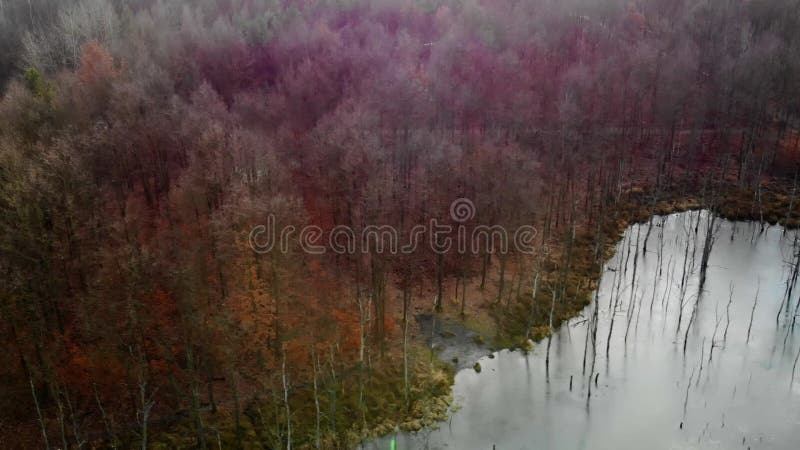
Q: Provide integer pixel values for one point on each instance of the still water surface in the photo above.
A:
(723, 393)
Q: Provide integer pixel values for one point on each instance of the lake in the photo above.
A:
(718, 391)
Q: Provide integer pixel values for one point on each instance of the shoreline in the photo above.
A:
(441, 344)
(730, 207)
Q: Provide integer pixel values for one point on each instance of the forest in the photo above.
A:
(142, 141)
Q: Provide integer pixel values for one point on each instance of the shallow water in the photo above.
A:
(649, 394)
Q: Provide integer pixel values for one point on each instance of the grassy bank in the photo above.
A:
(353, 406)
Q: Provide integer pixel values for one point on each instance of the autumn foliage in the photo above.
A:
(140, 148)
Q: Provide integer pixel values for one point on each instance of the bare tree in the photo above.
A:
(286, 386)
(77, 23)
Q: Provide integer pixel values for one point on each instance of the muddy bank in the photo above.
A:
(451, 341)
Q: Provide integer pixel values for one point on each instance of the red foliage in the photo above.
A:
(96, 64)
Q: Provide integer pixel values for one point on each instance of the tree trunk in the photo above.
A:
(287, 408)
(439, 282)
(316, 398)
(406, 305)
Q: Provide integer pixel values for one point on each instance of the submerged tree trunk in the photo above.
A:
(708, 244)
(792, 280)
(632, 301)
(595, 319)
(789, 210)
(614, 300)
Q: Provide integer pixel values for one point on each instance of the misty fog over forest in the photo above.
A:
(292, 224)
